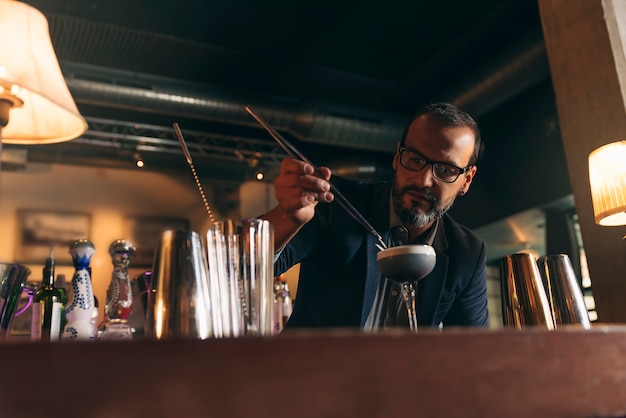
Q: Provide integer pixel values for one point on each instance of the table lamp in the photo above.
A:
(607, 177)
(33, 91)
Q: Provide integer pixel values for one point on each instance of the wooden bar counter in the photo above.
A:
(454, 373)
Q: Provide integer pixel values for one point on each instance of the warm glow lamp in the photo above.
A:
(33, 91)
(607, 177)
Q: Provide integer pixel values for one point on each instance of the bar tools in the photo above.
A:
(226, 283)
(183, 145)
(524, 300)
(241, 270)
(179, 305)
(563, 291)
(230, 285)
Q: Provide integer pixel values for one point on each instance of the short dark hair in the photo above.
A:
(450, 115)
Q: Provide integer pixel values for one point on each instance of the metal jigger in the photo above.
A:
(524, 300)
(563, 291)
(119, 294)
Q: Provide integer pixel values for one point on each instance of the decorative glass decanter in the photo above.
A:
(119, 294)
(79, 310)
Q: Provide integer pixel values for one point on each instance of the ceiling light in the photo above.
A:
(138, 160)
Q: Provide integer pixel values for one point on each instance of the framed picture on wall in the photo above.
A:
(144, 232)
(39, 231)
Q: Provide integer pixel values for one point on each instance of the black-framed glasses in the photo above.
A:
(414, 161)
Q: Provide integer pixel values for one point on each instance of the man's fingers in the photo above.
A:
(325, 172)
(327, 197)
(294, 198)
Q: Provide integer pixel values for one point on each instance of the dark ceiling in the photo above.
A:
(339, 78)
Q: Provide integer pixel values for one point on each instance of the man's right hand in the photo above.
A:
(298, 187)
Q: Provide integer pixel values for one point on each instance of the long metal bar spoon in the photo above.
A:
(340, 198)
(183, 145)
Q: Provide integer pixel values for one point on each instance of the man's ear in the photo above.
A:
(469, 176)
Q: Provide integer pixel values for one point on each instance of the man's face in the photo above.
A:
(418, 197)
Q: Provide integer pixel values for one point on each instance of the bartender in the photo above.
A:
(435, 161)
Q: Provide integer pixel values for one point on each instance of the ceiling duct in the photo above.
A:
(522, 65)
(327, 124)
(517, 68)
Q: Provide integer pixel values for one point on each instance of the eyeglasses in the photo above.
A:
(414, 161)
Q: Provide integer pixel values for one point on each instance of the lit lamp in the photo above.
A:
(32, 87)
(607, 177)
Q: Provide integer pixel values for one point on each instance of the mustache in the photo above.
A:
(423, 190)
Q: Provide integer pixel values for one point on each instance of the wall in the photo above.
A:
(585, 41)
(108, 195)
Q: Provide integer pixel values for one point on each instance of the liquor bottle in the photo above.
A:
(47, 308)
(80, 308)
(282, 303)
(119, 293)
(61, 285)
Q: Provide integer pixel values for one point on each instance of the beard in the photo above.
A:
(414, 216)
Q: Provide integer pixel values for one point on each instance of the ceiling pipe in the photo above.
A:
(498, 80)
(325, 124)
(421, 80)
(521, 66)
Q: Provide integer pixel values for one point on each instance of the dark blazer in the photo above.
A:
(339, 276)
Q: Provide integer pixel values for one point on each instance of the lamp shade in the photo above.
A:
(43, 110)
(607, 177)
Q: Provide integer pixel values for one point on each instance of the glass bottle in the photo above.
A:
(79, 311)
(47, 308)
(282, 303)
(119, 293)
(61, 285)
